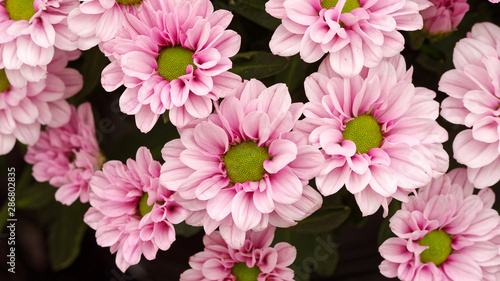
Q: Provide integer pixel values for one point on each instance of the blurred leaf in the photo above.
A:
(315, 252)
(253, 10)
(4, 215)
(186, 230)
(323, 220)
(66, 234)
(258, 64)
(92, 62)
(35, 196)
(385, 231)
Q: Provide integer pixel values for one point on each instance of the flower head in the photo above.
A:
(67, 156)
(377, 132)
(242, 169)
(131, 212)
(444, 16)
(256, 260)
(31, 30)
(24, 109)
(354, 33)
(96, 21)
(172, 55)
(444, 232)
(474, 96)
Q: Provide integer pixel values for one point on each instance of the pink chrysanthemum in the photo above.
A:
(445, 232)
(30, 31)
(377, 132)
(24, 109)
(444, 16)
(67, 156)
(474, 95)
(355, 33)
(131, 212)
(256, 260)
(243, 169)
(95, 21)
(173, 55)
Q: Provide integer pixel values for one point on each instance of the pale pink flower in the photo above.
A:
(173, 55)
(95, 21)
(131, 211)
(29, 35)
(354, 33)
(67, 156)
(444, 232)
(256, 260)
(377, 132)
(444, 16)
(243, 169)
(24, 109)
(474, 91)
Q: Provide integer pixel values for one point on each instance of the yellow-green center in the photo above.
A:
(20, 9)
(4, 82)
(173, 61)
(129, 2)
(348, 7)
(365, 132)
(245, 162)
(244, 273)
(439, 243)
(144, 208)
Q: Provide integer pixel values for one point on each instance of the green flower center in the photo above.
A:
(173, 61)
(244, 273)
(365, 132)
(129, 2)
(439, 243)
(144, 208)
(20, 9)
(245, 162)
(348, 7)
(4, 82)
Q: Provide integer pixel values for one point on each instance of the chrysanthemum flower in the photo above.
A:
(95, 21)
(173, 55)
(355, 33)
(474, 92)
(256, 260)
(445, 232)
(377, 132)
(24, 109)
(444, 16)
(131, 212)
(243, 169)
(30, 31)
(67, 156)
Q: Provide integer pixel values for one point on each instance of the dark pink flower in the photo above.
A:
(131, 211)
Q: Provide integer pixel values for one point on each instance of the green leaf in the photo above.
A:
(91, 64)
(315, 252)
(66, 234)
(186, 230)
(258, 64)
(35, 196)
(253, 10)
(324, 220)
(4, 215)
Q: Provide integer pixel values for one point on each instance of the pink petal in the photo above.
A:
(282, 152)
(245, 214)
(286, 187)
(473, 153)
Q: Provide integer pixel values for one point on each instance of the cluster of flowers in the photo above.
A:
(245, 157)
